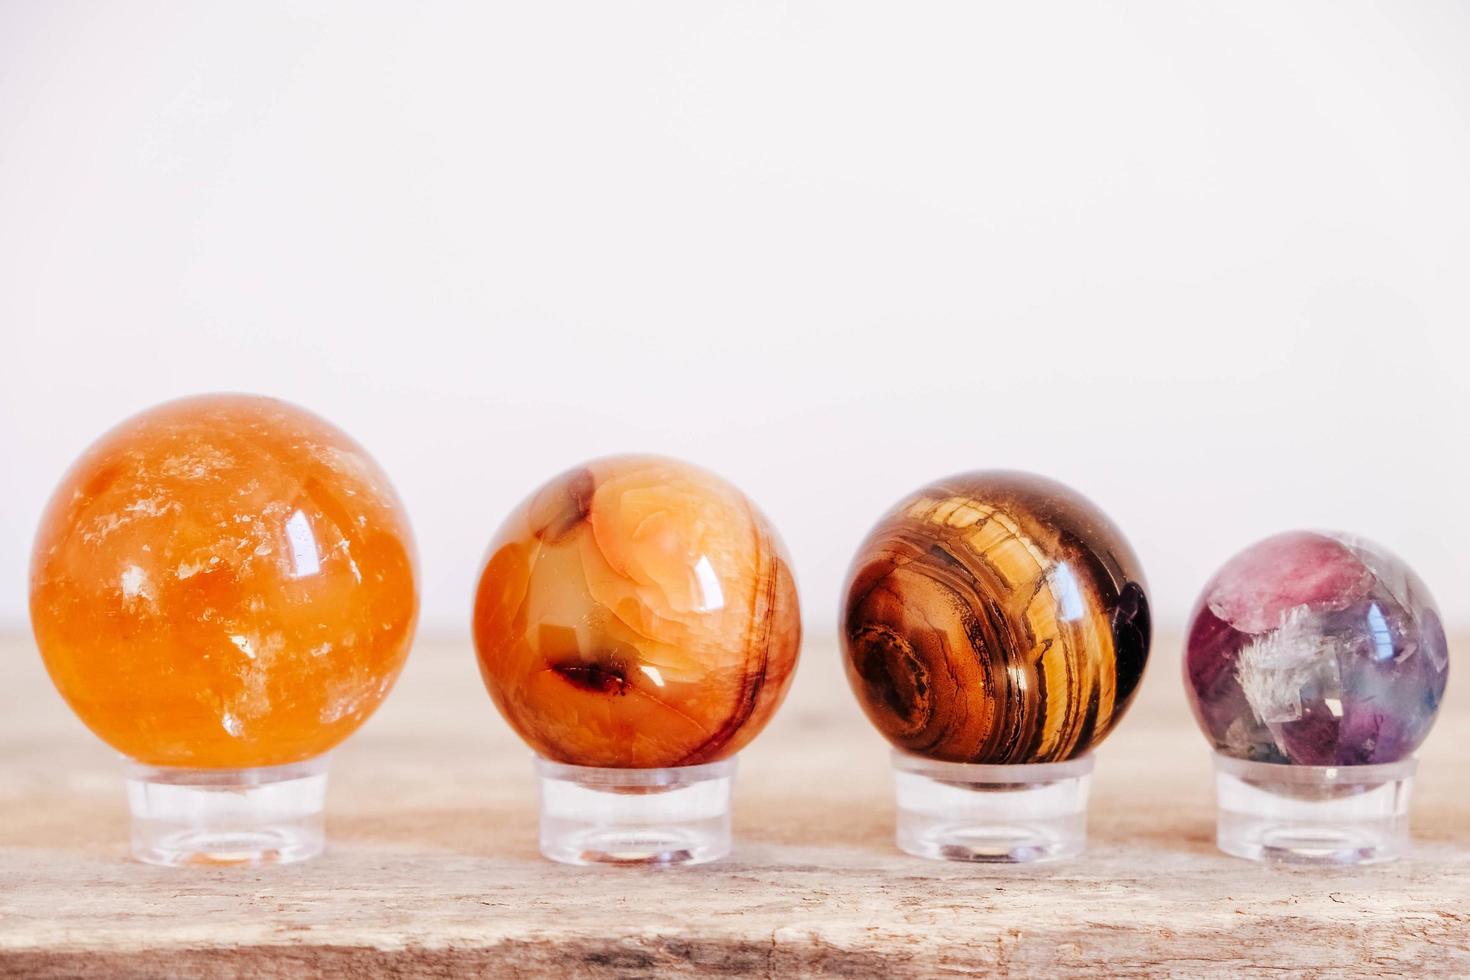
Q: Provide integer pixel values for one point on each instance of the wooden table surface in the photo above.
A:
(432, 865)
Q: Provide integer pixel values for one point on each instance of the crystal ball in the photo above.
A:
(637, 612)
(224, 581)
(995, 617)
(1317, 649)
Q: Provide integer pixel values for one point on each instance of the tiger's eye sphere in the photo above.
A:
(637, 612)
(995, 617)
(224, 581)
(1316, 648)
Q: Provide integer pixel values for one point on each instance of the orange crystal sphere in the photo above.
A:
(637, 612)
(224, 581)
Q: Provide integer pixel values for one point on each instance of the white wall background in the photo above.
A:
(1208, 262)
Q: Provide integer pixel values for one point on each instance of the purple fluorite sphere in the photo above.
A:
(1316, 649)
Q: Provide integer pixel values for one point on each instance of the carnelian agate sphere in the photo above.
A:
(637, 612)
(224, 581)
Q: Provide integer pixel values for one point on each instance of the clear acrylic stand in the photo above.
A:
(1313, 814)
(269, 815)
(635, 816)
(1009, 814)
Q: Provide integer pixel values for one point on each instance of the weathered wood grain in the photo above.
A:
(432, 867)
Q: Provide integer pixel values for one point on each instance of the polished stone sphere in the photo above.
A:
(637, 612)
(1315, 648)
(225, 581)
(995, 617)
